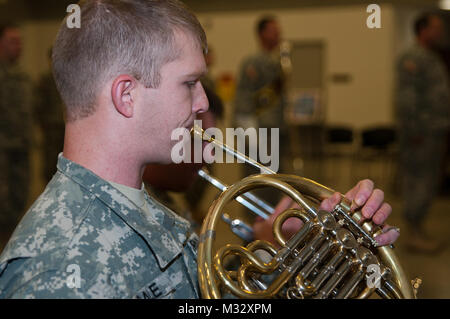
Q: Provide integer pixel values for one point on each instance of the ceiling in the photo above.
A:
(17, 10)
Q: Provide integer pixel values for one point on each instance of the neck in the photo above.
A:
(102, 152)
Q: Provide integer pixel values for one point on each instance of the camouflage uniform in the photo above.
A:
(258, 99)
(81, 221)
(15, 140)
(423, 119)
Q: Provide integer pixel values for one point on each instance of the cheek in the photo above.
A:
(181, 104)
(186, 99)
(171, 110)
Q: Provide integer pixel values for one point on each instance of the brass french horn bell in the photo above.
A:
(333, 255)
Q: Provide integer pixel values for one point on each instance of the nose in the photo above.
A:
(200, 102)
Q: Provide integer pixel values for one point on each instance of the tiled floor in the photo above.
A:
(434, 270)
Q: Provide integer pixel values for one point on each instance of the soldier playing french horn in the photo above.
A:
(128, 77)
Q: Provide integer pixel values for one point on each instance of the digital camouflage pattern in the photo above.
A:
(422, 92)
(81, 222)
(422, 105)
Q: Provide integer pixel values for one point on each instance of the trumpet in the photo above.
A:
(333, 255)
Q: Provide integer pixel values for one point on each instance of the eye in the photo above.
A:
(191, 84)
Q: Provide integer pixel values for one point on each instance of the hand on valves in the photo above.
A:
(364, 196)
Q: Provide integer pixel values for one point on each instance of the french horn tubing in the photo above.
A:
(333, 255)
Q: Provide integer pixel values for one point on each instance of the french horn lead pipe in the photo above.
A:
(200, 133)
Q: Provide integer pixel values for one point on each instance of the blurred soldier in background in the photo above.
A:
(259, 98)
(15, 131)
(49, 114)
(423, 118)
(259, 88)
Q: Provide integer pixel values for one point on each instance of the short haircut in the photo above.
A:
(423, 20)
(263, 21)
(135, 37)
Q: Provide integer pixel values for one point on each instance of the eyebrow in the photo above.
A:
(197, 74)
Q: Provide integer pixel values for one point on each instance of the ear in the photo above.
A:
(122, 91)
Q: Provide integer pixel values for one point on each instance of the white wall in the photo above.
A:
(38, 37)
(366, 54)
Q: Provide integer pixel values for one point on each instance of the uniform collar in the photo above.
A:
(160, 239)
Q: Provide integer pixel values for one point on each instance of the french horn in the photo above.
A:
(333, 255)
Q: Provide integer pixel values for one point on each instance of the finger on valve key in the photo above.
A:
(388, 236)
